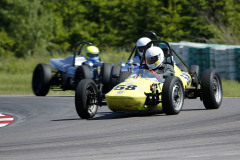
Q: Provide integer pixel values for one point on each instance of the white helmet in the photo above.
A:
(154, 57)
(141, 43)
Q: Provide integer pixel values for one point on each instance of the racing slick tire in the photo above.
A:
(41, 79)
(123, 75)
(106, 70)
(82, 72)
(211, 88)
(115, 71)
(85, 101)
(172, 95)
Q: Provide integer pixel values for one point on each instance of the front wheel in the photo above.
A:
(85, 99)
(172, 95)
(211, 89)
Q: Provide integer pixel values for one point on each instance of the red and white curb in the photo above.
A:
(5, 120)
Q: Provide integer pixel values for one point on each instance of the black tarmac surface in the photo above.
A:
(49, 128)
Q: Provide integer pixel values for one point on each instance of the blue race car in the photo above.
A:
(65, 74)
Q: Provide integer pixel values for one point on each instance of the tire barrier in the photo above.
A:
(224, 58)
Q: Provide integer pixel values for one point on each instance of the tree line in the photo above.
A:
(29, 27)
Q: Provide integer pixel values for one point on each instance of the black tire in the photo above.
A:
(41, 79)
(172, 95)
(106, 70)
(82, 72)
(123, 75)
(211, 88)
(84, 99)
(115, 71)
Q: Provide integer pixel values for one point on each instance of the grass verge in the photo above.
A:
(16, 73)
(231, 88)
(21, 84)
(16, 84)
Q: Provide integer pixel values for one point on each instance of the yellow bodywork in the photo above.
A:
(129, 95)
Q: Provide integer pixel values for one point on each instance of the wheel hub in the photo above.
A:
(177, 97)
(91, 102)
(217, 89)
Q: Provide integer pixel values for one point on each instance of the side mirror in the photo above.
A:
(122, 64)
(130, 62)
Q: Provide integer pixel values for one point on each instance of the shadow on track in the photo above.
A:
(69, 119)
(53, 96)
(120, 115)
(116, 115)
(185, 110)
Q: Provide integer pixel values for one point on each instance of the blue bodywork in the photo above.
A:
(68, 69)
(132, 64)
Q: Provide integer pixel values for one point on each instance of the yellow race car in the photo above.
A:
(146, 91)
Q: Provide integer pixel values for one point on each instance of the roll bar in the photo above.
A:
(81, 44)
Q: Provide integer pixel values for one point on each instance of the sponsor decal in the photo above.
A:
(187, 77)
(120, 92)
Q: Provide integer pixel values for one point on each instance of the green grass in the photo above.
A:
(231, 88)
(20, 84)
(16, 74)
(16, 84)
(13, 65)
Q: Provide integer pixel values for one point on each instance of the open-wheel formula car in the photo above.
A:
(146, 91)
(65, 74)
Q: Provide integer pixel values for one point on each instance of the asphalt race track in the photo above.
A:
(49, 128)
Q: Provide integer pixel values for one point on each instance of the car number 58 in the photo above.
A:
(126, 87)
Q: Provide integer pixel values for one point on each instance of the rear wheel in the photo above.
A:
(211, 89)
(115, 71)
(85, 99)
(106, 70)
(41, 79)
(123, 75)
(82, 72)
(172, 95)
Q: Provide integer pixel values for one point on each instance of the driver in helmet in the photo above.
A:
(92, 54)
(135, 61)
(140, 45)
(154, 59)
